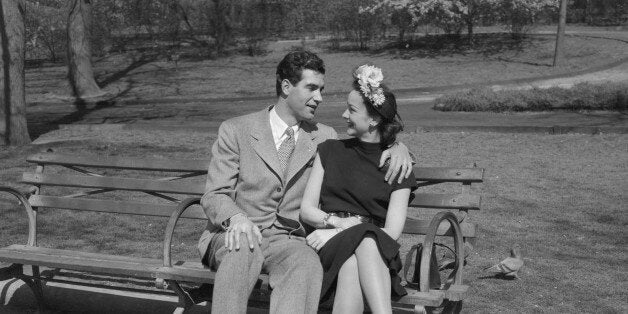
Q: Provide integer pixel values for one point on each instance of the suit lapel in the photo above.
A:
(263, 143)
(304, 151)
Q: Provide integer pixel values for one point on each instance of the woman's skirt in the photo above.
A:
(340, 248)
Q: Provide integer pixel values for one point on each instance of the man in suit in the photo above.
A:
(257, 175)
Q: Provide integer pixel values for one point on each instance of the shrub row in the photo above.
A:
(583, 96)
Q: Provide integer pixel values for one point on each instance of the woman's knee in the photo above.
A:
(368, 243)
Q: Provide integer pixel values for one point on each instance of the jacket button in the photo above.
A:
(279, 189)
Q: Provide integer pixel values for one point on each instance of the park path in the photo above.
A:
(414, 106)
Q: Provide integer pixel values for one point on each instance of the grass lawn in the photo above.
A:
(560, 198)
(493, 58)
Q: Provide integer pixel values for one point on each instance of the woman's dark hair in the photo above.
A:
(292, 65)
(390, 124)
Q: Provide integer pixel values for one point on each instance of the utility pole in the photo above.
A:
(560, 34)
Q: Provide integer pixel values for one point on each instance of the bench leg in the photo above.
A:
(35, 284)
(419, 309)
(185, 301)
(453, 307)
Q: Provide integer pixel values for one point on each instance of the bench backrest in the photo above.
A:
(173, 180)
(168, 179)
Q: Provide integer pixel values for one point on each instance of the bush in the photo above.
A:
(583, 96)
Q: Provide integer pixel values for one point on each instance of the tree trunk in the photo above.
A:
(80, 72)
(470, 29)
(13, 127)
(560, 34)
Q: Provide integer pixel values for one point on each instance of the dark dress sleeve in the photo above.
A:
(324, 151)
(409, 182)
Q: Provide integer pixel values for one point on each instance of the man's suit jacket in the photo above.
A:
(245, 176)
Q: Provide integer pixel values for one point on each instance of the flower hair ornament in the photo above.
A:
(369, 79)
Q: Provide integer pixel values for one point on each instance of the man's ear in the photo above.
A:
(286, 87)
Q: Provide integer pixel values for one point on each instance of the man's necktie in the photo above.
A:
(286, 148)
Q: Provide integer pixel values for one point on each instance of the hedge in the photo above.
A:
(583, 96)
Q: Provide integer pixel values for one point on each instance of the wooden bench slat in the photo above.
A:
(415, 226)
(423, 298)
(441, 174)
(446, 201)
(110, 206)
(113, 264)
(79, 254)
(65, 259)
(159, 164)
(144, 185)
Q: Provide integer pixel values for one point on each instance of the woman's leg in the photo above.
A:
(374, 276)
(348, 297)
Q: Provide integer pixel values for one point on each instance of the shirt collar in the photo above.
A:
(278, 127)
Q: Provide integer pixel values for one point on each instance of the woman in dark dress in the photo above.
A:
(360, 216)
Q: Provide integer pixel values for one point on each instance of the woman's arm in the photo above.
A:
(397, 211)
(310, 213)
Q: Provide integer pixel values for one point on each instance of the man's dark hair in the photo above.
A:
(293, 64)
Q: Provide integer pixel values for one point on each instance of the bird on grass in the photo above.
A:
(509, 266)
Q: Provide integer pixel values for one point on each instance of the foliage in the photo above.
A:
(583, 96)
(45, 30)
(519, 15)
(354, 20)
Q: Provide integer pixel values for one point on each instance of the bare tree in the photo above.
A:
(560, 33)
(12, 98)
(80, 72)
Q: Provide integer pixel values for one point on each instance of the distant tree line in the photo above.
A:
(119, 25)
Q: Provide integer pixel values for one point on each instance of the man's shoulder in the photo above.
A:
(324, 131)
(242, 122)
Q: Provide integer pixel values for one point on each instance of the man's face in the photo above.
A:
(304, 97)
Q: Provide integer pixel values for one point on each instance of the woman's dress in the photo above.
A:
(353, 183)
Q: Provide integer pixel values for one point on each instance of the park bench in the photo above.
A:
(178, 189)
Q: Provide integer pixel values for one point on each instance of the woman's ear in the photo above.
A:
(375, 122)
(286, 87)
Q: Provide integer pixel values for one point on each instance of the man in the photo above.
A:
(257, 175)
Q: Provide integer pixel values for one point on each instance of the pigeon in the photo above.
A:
(509, 266)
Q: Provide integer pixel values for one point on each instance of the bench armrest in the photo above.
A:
(174, 217)
(32, 222)
(428, 244)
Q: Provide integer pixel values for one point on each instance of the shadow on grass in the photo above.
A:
(432, 46)
(142, 60)
(499, 276)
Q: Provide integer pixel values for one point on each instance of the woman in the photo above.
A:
(360, 215)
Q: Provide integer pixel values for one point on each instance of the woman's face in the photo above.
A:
(356, 115)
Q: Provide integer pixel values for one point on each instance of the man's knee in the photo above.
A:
(243, 255)
(307, 262)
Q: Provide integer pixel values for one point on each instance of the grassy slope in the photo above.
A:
(491, 60)
(561, 198)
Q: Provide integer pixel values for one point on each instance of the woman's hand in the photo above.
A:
(319, 237)
(346, 223)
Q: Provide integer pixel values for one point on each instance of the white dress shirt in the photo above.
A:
(278, 127)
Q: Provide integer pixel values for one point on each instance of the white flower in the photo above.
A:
(370, 74)
(369, 78)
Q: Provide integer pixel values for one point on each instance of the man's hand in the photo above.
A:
(241, 224)
(318, 238)
(400, 163)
